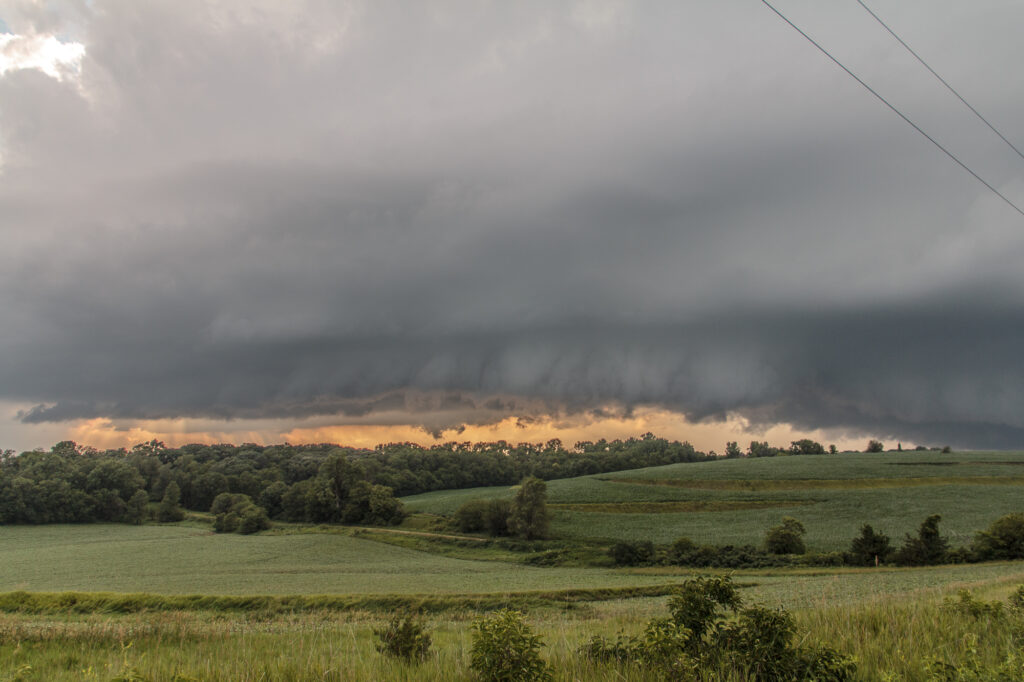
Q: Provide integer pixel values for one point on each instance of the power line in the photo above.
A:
(941, 79)
(895, 110)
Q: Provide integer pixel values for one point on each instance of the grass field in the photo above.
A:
(735, 501)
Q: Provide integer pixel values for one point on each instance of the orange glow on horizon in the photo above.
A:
(104, 433)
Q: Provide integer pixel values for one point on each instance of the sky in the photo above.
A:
(357, 222)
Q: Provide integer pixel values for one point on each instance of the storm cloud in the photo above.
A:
(268, 210)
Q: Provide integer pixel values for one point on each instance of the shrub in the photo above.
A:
(757, 643)
(697, 606)
(869, 546)
(469, 518)
(252, 519)
(966, 605)
(404, 637)
(681, 550)
(505, 649)
(484, 515)
(631, 553)
(1004, 539)
(786, 538)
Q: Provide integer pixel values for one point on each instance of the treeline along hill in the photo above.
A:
(310, 483)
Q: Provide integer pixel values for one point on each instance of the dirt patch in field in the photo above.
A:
(819, 483)
(677, 506)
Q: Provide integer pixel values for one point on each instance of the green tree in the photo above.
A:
(869, 546)
(806, 446)
(786, 538)
(1004, 539)
(874, 446)
(762, 449)
(928, 548)
(732, 450)
(137, 508)
(529, 516)
(170, 510)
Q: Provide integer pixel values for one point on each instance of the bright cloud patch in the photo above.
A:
(44, 52)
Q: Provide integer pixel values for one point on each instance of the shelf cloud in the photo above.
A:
(465, 212)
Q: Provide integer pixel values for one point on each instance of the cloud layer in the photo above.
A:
(479, 210)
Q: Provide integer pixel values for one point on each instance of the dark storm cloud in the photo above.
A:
(481, 210)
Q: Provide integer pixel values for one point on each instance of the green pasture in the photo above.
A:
(735, 501)
(184, 560)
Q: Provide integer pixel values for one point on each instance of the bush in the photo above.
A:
(505, 649)
(484, 515)
(404, 637)
(755, 643)
(252, 519)
(786, 538)
(685, 553)
(680, 551)
(966, 605)
(1004, 539)
(631, 553)
(469, 518)
(869, 546)
(237, 513)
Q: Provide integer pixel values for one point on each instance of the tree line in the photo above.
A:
(322, 483)
(784, 546)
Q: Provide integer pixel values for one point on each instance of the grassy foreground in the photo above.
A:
(891, 640)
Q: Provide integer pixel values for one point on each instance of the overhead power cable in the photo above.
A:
(899, 113)
(941, 79)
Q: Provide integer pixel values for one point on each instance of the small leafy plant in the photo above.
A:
(506, 650)
(404, 637)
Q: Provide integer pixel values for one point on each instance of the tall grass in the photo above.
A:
(891, 640)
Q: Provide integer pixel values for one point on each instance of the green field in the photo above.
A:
(832, 495)
(889, 618)
(170, 559)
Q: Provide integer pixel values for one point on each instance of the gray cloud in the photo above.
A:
(258, 210)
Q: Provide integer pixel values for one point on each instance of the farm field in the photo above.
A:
(169, 559)
(735, 501)
(864, 612)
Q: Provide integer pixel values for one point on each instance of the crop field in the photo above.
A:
(183, 560)
(735, 501)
